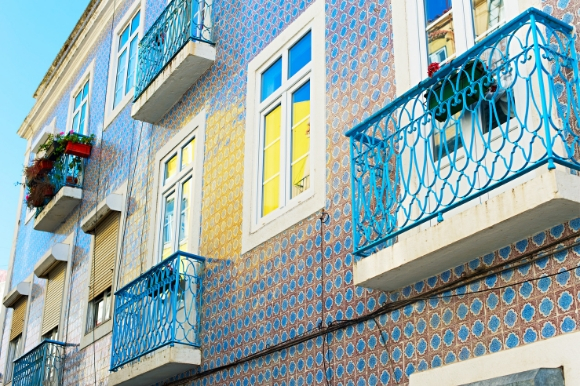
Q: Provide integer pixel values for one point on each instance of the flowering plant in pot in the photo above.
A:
(453, 86)
(68, 143)
(37, 169)
(39, 193)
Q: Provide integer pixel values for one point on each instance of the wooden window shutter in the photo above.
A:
(104, 255)
(53, 299)
(18, 318)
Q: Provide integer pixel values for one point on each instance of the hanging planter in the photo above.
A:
(78, 149)
(437, 97)
(45, 165)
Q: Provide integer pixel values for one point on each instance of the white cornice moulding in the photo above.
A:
(113, 202)
(21, 289)
(58, 253)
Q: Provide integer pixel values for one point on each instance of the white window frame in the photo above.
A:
(86, 77)
(257, 229)
(110, 111)
(409, 32)
(194, 128)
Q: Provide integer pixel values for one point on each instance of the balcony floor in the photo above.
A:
(550, 198)
(157, 366)
(190, 63)
(58, 209)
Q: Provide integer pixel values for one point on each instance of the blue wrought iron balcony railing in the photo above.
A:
(502, 109)
(68, 170)
(161, 307)
(40, 366)
(182, 21)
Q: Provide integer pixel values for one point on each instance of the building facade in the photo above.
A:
(302, 192)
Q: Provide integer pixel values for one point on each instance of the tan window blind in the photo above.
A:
(18, 318)
(53, 299)
(104, 256)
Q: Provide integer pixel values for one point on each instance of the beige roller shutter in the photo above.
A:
(18, 318)
(53, 299)
(104, 255)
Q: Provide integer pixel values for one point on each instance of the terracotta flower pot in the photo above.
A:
(45, 165)
(70, 180)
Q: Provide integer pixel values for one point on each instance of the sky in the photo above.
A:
(31, 35)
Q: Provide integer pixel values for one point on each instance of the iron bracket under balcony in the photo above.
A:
(176, 51)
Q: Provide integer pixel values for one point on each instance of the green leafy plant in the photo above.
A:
(55, 145)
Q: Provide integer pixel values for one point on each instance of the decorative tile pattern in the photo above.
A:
(303, 276)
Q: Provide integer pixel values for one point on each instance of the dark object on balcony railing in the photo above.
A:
(439, 97)
(410, 166)
(161, 307)
(40, 366)
(182, 21)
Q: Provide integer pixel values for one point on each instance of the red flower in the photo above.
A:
(433, 68)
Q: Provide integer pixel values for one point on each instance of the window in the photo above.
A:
(102, 269)
(53, 299)
(123, 61)
(80, 102)
(128, 41)
(99, 310)
(453, 26)
(14, 351)
(286, 117)
(15, 347)
(176, 192)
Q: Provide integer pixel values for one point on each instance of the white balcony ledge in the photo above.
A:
(157, 366)
(58, 209)
(550, 198)
(190, 63)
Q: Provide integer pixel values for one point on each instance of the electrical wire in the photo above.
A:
(397, 305)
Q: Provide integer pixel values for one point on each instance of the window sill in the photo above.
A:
(112, 114)
(97, 333)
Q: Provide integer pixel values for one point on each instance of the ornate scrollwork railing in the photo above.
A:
(181, 22)
(161, 307)
(40, 366)
(502, 109)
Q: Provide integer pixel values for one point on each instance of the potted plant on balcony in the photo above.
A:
(70, 143)
(39, 193)
(454, 84)
(37, 169)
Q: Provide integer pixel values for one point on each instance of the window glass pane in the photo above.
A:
(124, 38)
(86, 90)
(75, 125)
(440, 33)
(120, 79)
(135, 23)
(81, 127)
(78, 99)
(184, 216)
(300, 139)
(171, 167)
(487, 14)
(300, 55)
(131, 66)
(271, 79)
(187, 154)
(100, 311)
(168, 226)
(271, 161)
(448, 138)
